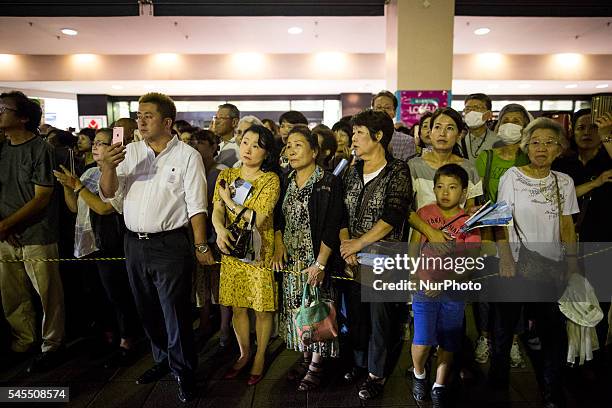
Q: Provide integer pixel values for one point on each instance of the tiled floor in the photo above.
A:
(93, 386)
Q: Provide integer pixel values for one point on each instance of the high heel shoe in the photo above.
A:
(255, 378)
(233, 372)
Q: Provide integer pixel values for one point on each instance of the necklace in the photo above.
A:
(249, 176)
(475, 154)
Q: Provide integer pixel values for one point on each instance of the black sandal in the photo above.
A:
(371, 388)
(312, 379)
(298, 370)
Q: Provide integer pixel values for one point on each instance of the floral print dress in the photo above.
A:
(298, 241)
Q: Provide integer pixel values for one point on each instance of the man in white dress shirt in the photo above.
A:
(163, 185)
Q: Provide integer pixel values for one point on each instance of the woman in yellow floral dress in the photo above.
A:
(249, 285)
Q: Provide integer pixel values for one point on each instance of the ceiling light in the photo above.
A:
(482, 31)
(330, 62)
(248, 62)
(524, 86)
(295, 30)
(6, 57)
(117, 87)
(69, 31)
(166, 57)
(601, 86)
(149, 86)
(493, 86)
(571, 86)
(490, 59)
(568, 59)
(84, 58)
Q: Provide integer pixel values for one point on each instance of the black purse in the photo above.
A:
(243, 236)
(533, 266)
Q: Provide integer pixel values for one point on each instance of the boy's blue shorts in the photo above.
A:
(438, 322)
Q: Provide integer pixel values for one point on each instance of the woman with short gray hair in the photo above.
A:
(544, 124)
(542, 203)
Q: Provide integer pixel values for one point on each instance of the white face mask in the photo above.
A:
(510, 133)
(474, 119)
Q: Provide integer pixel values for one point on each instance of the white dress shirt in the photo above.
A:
(160, 193)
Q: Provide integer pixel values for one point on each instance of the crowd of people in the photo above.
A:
(245, 218)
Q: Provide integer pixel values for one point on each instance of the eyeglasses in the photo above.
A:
(98, 143)
(548, 144)
(6, 108)
(221, 117)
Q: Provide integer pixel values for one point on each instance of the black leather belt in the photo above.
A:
(153, 235)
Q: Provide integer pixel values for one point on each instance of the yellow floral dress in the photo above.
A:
(251, 285)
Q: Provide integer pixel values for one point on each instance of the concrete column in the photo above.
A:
(419, 48)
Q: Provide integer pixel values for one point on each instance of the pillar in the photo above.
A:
(419, 54)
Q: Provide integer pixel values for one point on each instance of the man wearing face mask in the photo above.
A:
(476, 113)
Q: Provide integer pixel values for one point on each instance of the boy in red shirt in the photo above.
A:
(438, 320)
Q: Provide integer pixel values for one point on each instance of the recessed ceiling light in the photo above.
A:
(295, 30)
(601, 86)
(117, 87)
(571, 86)
(482, 31)
(524, 86)
(69, 31)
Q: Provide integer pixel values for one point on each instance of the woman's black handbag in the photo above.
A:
(243, 236)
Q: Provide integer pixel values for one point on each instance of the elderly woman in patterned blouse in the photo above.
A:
(377, 197)
(307, 223)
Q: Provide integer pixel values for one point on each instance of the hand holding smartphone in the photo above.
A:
(117, 135)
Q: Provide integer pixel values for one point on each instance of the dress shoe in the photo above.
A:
(46, 361)
(186, 389)
(155, 373)
(120, 358)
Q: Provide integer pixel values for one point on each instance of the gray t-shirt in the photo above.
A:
(21, 168)
(423, 186)
(472, 145)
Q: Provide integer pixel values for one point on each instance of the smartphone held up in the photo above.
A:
(117, 135)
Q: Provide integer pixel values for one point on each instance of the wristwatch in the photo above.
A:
(320, 266)
(202, 248)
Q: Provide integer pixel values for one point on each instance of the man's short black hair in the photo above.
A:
(164, 104)
(482, 98)
(89, 132)
(293, 117)
(181, 125)
(453, 170)
(375, 121)
(234, 113)
(25, 108)
(389, 95)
